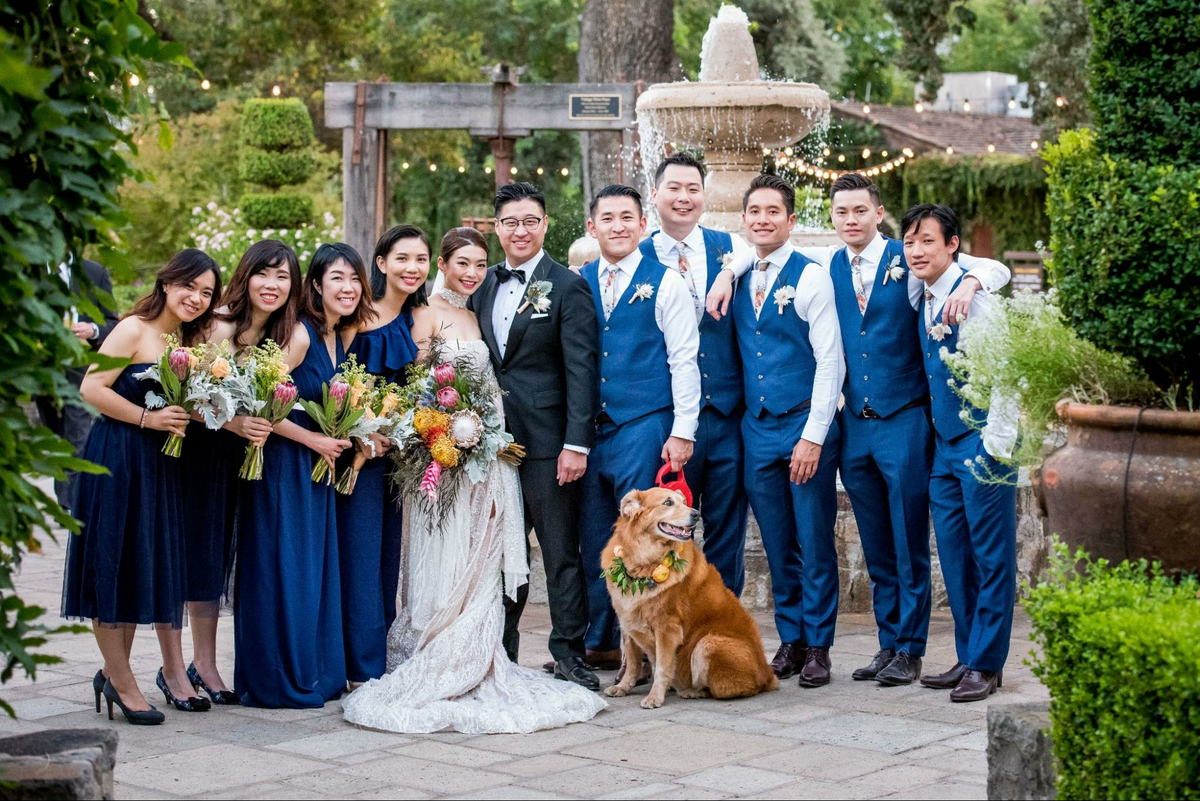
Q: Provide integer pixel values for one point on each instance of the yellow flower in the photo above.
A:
(221, 368)
(619, 552)
(444, 452)
(425, 419)
(389, 404)
(356, 393)
(661, 573)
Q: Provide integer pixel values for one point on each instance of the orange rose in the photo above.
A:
(221, 368)
(661, 574)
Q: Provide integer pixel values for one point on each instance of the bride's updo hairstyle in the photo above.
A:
(456, 239)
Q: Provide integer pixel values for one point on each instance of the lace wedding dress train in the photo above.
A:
(447, 668)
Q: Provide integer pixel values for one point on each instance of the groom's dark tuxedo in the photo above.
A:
(549, 368)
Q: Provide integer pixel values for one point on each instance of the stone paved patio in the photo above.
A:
(847, 740)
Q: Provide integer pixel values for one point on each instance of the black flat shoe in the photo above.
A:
(145, 717)
(98, 682)
(193, 704)
(219, 697)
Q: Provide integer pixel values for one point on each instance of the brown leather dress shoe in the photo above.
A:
(977, 685)
(604, 660)
(878, 663)
(788, 660)
(815, 672)
(945, 681)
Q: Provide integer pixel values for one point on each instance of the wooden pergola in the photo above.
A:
(500, 111)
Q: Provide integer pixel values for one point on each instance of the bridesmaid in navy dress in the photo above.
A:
(127, 566)
(287, 602)
(258, 304)
(369, 519)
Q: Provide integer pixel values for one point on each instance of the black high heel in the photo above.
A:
(193, 704)
(98, 682)
(222, 697)
(145, 717)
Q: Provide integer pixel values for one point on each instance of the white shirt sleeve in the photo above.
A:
(676, 318)
(991, 274)
(821, 254)
(816, 306)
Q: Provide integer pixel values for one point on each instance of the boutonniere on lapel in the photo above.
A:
(784, 296)
(938, 331)
(726, 259)
(894, 270)
(642, 292)
(537, 296)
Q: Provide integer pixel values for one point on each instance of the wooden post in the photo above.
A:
(502, 154)
(363, 181)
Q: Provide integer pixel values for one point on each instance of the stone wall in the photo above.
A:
(1033, 547)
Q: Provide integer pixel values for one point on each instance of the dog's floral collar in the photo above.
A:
(632, 585)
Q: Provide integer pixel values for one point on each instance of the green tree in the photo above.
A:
(870, 40)
(1058, 67)
(923, 27)
(1001, 39)
(66, 112)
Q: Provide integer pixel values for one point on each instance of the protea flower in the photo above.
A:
(285, 393)
(448, 397)
(444, 373)
(466, 428)
(180, 361)
(338, 390)
(443, 451)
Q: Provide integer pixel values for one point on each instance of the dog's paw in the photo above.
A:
(652, 701)
(616, 691)
(693, 693)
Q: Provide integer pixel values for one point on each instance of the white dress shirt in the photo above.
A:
(668, 250)
(991, 274)
(815, 305)
(509, 297)
(675, 315)
(1000, 430)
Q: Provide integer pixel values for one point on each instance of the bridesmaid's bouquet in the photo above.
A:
(193, 379)
(379, 402)
(343, 404)
(262, 388)
(449, 427)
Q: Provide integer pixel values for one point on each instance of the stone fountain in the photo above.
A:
(730, 114)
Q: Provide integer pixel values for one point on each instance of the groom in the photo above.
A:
(539, 322)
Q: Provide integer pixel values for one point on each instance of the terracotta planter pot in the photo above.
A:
(1126, 485)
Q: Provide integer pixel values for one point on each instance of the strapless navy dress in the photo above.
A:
(287, 597)
(127, 566)
(369, 521)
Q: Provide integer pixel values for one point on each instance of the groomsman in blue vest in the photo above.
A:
(649, 387)
(886, 435)
(792, 368)
(975, 521)
(698, 254)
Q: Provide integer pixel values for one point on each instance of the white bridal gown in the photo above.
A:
(447, 668)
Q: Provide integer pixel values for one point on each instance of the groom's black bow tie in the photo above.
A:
(503, 274)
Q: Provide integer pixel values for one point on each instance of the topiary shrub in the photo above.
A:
(276, 211)
(1126, 243)
(270, 124)
(1119, 649)
(276, 169)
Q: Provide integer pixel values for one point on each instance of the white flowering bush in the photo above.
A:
(224, 236)
(1026, 351)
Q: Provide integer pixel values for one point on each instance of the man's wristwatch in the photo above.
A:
(95, 332)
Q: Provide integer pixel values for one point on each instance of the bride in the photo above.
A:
(447, 666)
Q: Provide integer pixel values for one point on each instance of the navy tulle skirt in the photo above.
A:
(209, 511)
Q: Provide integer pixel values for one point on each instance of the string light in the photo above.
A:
(787, 151)
(908, 151)
(433, 168)
(487, 170)
(540, 171)
(949, 151)
(1034, 144)
(866, 154)
(205, 85)
(1012, 103)
(565, 172)
(825, 152)
(1060, 101)
(766, 151)
(404, 166)
(461, 168)
(991, 148)
(134, 80)
(883, 153)
(866, 109)
(967, 106)
(275, 90)
(920, 107)
(512, 170)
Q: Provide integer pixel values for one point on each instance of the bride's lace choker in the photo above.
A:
(455, 299)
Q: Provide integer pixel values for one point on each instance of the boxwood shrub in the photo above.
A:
(276, 169)
(276, 211)
(1119, 650)
(272, 124)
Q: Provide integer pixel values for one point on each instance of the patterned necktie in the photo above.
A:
(928, 311)
(685, 269)
(760, 285)
(610, 294)
(860, 288)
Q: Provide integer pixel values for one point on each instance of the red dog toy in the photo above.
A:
(679, 485)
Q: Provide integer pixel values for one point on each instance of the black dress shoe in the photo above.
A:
(904, 669)
(878, 663)
(817, 665)
(788, 660)
(575, 670)
(977, 685)
(945, 681)
(548, 667)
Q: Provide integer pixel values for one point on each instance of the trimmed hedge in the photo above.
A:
(276, 169)
(276, 211)
(1126, 243)
(272, 124)
(1145, 77)
(1119, 650)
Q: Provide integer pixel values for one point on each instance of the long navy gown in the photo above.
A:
(287, 601)
(126, 566)
(369, 521)
(209, 513)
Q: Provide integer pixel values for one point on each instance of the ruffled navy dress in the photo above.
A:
(126, 566)
(287, 597)
(369, 521)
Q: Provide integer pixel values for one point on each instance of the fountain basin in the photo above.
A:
(733, 115)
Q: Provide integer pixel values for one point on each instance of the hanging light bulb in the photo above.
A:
(512, 170)
(1060, 101)
(883, 153)
(949, 151)
(841, 157)
(866, 109)
(540, 171)
(461, 168)
(787, 151)
(205, 85)
(825, 152)
(565, 172)
(766, 151)
(908, 152)
(866, 154)
(275, 90)
(404, 166)
(920, 107)
(433, 168)
(134, 80)
(487, 170)
(1034, 144)
(991, 148)
(967, 106)
(1012, 103)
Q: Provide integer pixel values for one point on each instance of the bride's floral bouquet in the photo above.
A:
(343, 404)
(261, 387)
(379, 402)
(193, 379)
(449, 428)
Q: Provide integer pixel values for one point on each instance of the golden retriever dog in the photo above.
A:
(674, 608)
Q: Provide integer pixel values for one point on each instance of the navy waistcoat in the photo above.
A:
(946, 406)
